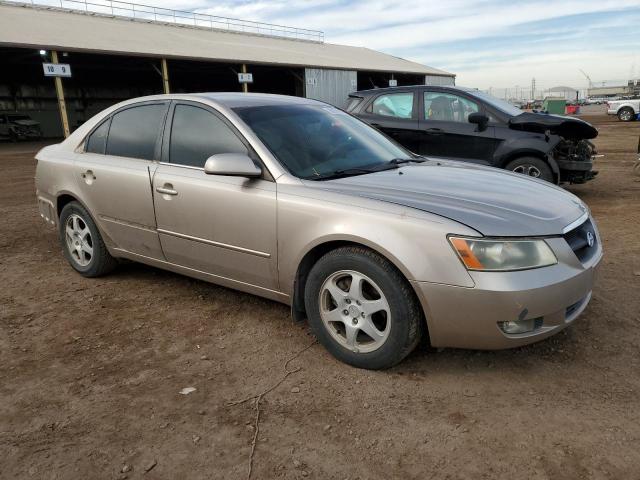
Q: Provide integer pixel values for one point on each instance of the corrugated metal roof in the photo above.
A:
(75, 31)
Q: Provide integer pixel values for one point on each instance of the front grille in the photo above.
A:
(578, 240)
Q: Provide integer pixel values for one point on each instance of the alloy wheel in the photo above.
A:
(528, 169)
(79, 241)
(355, 311)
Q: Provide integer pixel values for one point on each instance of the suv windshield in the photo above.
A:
(316, 141)
(501, 105)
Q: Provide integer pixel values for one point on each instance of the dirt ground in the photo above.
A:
(91, 370)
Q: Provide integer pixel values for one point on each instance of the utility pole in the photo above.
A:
(533, 89)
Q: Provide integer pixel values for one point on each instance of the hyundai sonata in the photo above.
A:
(299, 202)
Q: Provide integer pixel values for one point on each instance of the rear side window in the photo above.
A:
(97, 141)
(399, 105)
(353, 103)
(134, 131)
(196, 134)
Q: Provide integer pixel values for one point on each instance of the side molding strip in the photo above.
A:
(215, 244)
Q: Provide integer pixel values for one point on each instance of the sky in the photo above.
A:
(487, 43)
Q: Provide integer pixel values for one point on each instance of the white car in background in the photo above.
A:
(625, 110)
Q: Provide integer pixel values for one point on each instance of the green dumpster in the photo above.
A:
(554, 105)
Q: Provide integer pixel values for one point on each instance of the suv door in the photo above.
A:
(395, 114)
(222, 225)
(447, 131)
(114, 176)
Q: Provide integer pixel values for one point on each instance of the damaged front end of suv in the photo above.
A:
(570, 150)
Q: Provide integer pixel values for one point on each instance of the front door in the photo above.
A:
(221, 225)
(114, 176)
(446, 130)
(395, 115)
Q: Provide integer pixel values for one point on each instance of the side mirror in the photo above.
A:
(232, 165)
(479, 119)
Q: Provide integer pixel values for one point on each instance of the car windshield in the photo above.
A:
(498, 103)
(318, 141)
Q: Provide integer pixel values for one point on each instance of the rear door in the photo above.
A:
(395, 114)
(222, 225)
(444, 121)
(114, 176)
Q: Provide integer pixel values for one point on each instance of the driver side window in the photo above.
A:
(399, 105)
(447, 107)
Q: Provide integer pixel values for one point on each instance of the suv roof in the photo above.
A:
(414, 87)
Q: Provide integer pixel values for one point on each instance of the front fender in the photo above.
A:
(414, 241)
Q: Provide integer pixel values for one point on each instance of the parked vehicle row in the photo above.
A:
(299, 202)
(470, 125)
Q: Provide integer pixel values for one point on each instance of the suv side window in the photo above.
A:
(134, 131)
(97, 141)
(399, 105)
(447, 107)
(196, 134)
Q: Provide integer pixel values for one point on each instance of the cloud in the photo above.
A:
(484, 41)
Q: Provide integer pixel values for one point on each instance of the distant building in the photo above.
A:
(616, 89)
(568, 93)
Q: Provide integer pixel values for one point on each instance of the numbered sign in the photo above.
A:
(56, 69)
(393, 83)
(245, 77)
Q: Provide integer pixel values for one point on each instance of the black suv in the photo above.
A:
(470, 125)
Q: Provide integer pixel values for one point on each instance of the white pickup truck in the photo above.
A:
(626, 110)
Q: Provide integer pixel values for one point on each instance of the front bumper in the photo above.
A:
(468, 317)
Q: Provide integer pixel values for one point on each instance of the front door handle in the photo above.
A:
(167, 190)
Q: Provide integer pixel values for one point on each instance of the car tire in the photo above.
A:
(626, 114)
(532, 167)
(384, 305)
(82, 243)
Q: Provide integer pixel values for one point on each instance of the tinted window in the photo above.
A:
(97, 141)
(399, 105)
(196, 134)
(134, 131)
(312, 141)
(447, 107)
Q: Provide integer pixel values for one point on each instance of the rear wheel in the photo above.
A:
(625, 114)
(532, 167)
(362, 309)
(81, 242)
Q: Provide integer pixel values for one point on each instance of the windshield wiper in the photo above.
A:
(400, 161)
(348, 172)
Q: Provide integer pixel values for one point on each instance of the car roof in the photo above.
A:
(240, 99)
(376, 91)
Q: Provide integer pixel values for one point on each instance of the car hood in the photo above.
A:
(26, 123)
(567, 127)
(491, 201)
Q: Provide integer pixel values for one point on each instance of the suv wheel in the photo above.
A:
(532, 167)
(362, 309)
(82, 244)
(625, 114)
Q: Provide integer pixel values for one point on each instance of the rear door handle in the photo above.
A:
(167, 190)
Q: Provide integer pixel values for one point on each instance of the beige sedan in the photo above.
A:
(295, 200)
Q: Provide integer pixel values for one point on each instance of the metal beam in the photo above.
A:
(61, 103)
(245, 86)
(165, 75)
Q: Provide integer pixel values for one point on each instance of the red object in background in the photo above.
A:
(572, 109)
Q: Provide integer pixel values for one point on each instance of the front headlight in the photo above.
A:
(502, 255)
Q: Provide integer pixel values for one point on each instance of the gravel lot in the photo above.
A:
(91, 370)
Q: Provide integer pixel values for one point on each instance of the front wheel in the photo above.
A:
(362, 309)
(625, 114)
(82, 243)
(531, 167)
